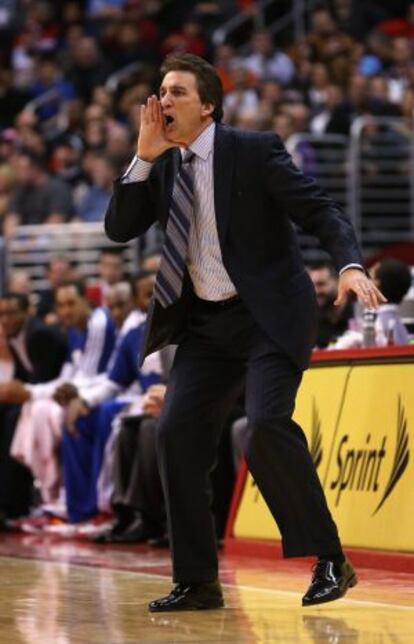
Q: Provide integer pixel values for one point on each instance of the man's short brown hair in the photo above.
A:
(209, 84)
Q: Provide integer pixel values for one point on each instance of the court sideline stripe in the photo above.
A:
(289, 593)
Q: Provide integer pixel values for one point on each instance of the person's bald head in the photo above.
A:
(120, 302)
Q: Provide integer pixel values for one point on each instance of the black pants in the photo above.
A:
(224, 350)
(16, 481)
(137, 485)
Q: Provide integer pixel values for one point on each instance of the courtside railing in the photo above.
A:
(31, 247)
(370, 173)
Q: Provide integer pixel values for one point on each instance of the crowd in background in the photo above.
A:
(58, 159)
(68, 127)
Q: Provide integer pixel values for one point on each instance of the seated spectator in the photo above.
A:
(92, 409)
(6, 189)
(35, 353)
(8, 140)
(38, 197)
(299, 113)
(111, 270)
(137, 499)
(20, 281)
(401, 27)
(319, 82)
(271, 95)
(120, 305)
(93, 205)
(66, 164)
(127, 307)
(249, 119)
(241, 98)
(118, 146)
(266, 62)
(333, 117)
(59, 269)
(28, 134)
(6, 358)
(49, 79)
(302, 151)
(188, 39)
(12, 99)
(91, 337)
(87, 68)
(393, 277)
(105, 9)
(38, 351)
(225, 59)
(399, 72)
(42, 20)
(130, 46)
(327, 44)
(332, 319)
(406, 126)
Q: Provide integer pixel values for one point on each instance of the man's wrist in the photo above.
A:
(348, 267)
(145, 158)
(137, 171)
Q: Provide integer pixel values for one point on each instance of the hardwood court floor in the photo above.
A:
(61, 592)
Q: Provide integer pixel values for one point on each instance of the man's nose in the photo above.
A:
(166, 100)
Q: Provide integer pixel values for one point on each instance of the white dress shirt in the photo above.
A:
(205, 265)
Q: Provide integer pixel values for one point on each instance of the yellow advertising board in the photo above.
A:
(317, 409)
(359, 422)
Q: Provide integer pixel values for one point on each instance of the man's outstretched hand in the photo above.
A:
(355, 281)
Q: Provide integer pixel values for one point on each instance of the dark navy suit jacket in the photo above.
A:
(258, 193)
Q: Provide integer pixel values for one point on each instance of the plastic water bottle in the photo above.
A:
(391, 333)
(369, 317)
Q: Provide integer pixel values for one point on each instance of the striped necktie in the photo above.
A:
(169, 282)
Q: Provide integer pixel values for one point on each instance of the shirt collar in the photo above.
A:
(203, 144)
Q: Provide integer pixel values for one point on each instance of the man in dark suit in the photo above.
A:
(38, 352)
(232, 292)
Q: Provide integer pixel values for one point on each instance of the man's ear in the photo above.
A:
(207, 109)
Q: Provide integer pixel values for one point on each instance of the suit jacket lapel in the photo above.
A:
(224, 151)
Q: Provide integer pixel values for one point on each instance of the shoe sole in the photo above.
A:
(350, 584)
(186, 608)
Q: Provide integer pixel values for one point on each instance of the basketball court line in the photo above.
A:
(248, 588)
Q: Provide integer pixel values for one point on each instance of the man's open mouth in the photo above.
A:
(168, 119)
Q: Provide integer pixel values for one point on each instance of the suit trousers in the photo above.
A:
(222, 351)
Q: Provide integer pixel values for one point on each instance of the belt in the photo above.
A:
(219, 304)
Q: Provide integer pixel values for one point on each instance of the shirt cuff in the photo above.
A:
(345, 268)
(138, 170)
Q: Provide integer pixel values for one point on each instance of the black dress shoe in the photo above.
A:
(105, 537)
(135, 532)
(161, 541)
(329, 581)
(201, 596)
